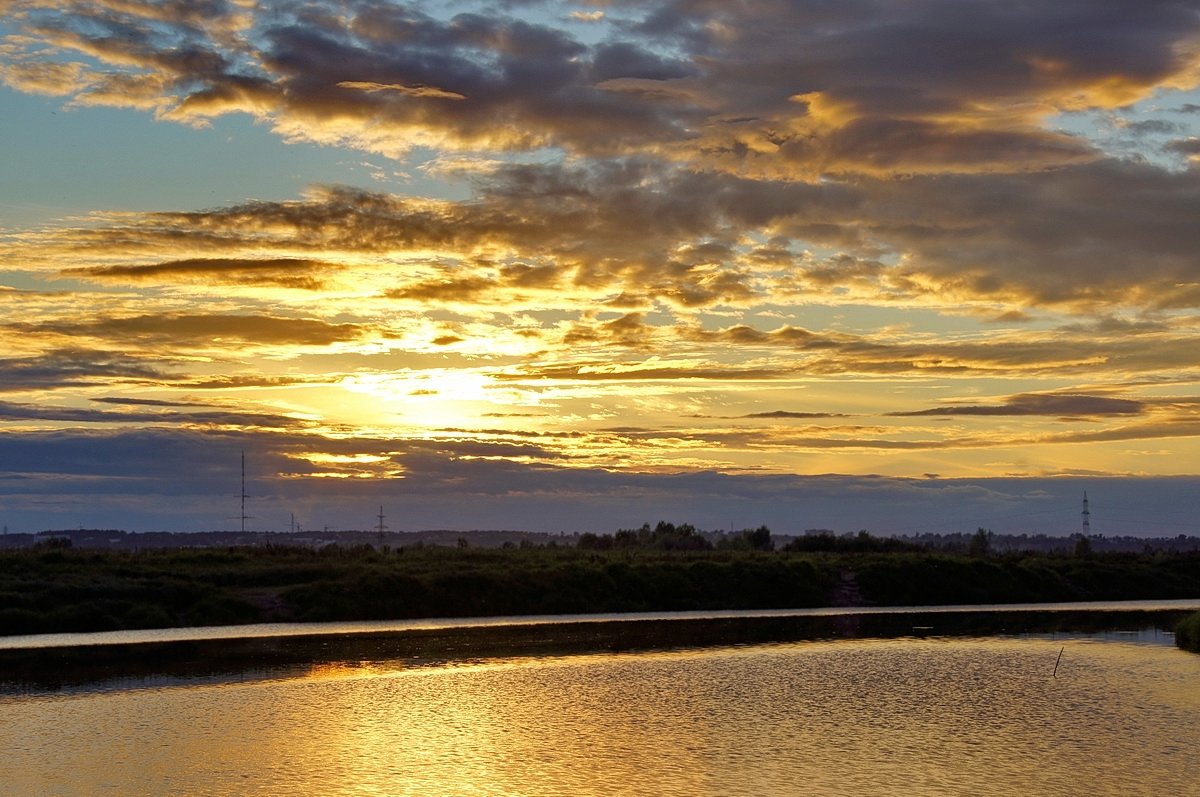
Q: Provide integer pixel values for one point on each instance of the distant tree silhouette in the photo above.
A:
(981, 543)
(664, 537)
(862, 542)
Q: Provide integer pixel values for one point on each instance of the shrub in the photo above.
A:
(1187, 633)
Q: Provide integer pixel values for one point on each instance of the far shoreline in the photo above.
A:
(67, 664)
(369, 627)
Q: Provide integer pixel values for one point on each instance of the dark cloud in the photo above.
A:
(100, 479)
(1146, 127)
(77, 367)
(279, 272)
(1105, 233)
(10, 411)
(1179, 427)
(1054, 404)
(624, 59)
(241, 381)
(791, 414)
(1184, 146)
(200, 331)
(764, 86)
(137, 402)
(776, 415)
(1089, 238)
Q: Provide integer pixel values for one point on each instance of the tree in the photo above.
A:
(981, 543)
(759, 539)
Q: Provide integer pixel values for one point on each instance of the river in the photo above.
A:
(1027, 714)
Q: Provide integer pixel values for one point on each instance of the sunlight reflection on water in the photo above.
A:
(864, 717)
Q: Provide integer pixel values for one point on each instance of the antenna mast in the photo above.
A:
(244, 517)
(1087, 515)
(380, 527)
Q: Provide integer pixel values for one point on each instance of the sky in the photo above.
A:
(903, 266)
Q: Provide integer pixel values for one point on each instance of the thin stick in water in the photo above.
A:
(1059, 659)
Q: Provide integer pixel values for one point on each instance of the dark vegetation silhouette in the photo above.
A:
(1187, 633)
(863, 542)
(685, 537)
(56, 586)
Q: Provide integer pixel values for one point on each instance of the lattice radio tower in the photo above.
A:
(380, 528)
(1087, 516)
(243, 516)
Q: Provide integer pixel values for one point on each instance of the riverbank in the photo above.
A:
(52, 590)
(147, 658)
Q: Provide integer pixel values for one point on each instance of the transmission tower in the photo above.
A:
(243, 516)
(380, 527)
(1087, 516)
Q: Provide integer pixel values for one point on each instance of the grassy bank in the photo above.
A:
(63, 589)
(1187, 633)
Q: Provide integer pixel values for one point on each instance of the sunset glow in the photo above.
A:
(572, 266)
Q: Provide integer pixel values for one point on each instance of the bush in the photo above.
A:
(21, 621)
(1187, 633)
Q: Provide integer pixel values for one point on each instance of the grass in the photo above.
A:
(63, 589)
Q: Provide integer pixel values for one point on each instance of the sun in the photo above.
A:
(428, 399)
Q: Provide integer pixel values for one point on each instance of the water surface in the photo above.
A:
(938, 716)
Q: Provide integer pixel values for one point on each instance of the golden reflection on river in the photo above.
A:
(864, 717)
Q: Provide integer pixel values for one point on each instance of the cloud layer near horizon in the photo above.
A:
(685, 238)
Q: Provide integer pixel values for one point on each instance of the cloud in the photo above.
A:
(136, 402)
(199, 471)
(572, 240)
(479, 285)
(581, 232)
(790, 414)
(1054, 404)
(102, 477)
(430, 92)
(1188, 147)
(42, 77)
(635, 372)
(200, 331)
(790, 90)
(10, 411)
(629, 330)
(1114, 232)
(1148, 127)
(79, 367)
(299, 273)
(244, 381)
